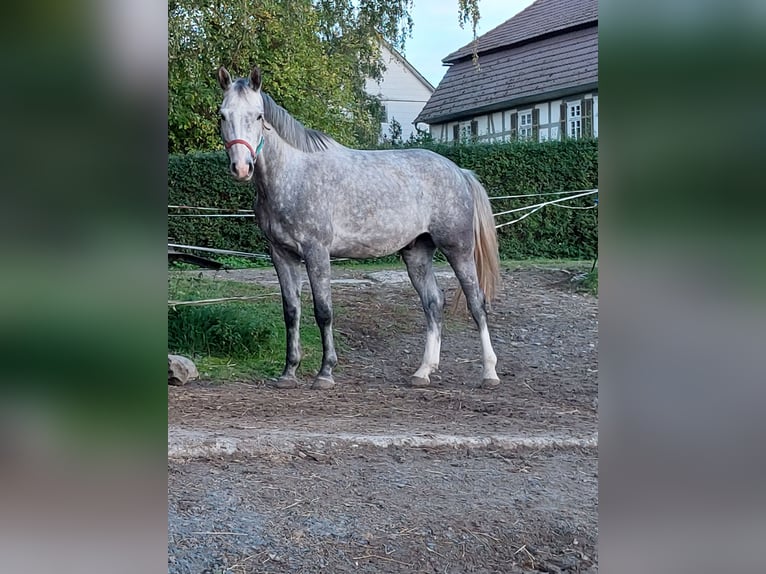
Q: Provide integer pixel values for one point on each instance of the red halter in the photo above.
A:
(253, 153)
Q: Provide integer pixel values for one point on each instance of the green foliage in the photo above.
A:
(233, 262)
(315, 56)
(202, 179)
(589, 282)
(518, 168)
(233, 338)
(220, 330)
(395, 133)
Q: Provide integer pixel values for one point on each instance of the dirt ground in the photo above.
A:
(374, 476)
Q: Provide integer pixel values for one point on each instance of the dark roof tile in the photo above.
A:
(542, 17)
(553, 64)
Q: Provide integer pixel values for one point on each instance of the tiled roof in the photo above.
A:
(551, 48)
(542, 17)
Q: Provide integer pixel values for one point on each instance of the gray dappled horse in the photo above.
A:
(317, 199)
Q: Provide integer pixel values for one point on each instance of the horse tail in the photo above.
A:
(485, 238)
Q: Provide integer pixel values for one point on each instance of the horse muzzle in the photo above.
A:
(242, 170)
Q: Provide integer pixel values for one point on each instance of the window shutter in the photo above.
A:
(563, 128)
(535, 124)
(456, 133)
(587, 118)
(514, 125)
(474, 129)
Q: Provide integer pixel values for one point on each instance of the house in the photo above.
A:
(537, 78)
(402, 91)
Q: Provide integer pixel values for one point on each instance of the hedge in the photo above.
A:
(202, 179)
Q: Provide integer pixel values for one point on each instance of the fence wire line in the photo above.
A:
(248, 215)
(200, 302)
(538, 194)
(210, 209)
(594, 206)
(222, 251)
(532, 208)
(241, 253)
(551, 202)
(248, 212)
(538, 208)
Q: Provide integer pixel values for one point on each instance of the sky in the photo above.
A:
(436, 32)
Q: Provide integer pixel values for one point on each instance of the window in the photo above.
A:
(574, 119)
(464, 131)
(525, 125)
(595, 116)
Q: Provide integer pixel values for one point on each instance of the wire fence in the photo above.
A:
(248, 213)
(174, 304)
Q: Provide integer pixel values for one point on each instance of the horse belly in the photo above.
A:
(374, 239)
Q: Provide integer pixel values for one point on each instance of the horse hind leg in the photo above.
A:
(419, 260)
(464, 265)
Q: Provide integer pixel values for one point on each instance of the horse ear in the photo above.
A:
(224, 78)
(255, 78)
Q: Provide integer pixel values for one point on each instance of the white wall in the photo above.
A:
(401, 91)
(496, 126)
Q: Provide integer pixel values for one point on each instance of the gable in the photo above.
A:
(400, 81)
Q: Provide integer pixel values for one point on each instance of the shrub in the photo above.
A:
(520, 168)
(202, 179)
(217, 330)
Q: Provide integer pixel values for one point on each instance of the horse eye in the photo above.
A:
(260, 117)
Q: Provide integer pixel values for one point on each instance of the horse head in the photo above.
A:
(242, 121)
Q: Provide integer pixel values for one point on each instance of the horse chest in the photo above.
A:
(291, 225)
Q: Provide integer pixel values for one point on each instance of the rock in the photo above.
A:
(181, 370)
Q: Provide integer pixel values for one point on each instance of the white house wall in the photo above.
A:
(496, 127)
(401, 92)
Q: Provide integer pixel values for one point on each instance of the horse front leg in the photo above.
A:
(288, 269)
(318, 267)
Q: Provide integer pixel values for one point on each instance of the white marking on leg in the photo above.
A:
(430, 356)
(489, 358)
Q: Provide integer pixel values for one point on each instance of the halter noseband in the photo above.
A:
(253, 152)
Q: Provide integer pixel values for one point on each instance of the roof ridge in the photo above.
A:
(552, 66)
(539, 19)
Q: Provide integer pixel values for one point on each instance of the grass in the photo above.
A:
(389, 262)
(589, 283)
(246, 339)
(228, 261)
(571, 264)
(240, 339)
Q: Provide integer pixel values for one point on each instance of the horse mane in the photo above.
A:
(291, 130)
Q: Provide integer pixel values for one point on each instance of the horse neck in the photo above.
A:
(276, 155)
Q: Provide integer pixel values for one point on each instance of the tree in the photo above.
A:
(315, 56)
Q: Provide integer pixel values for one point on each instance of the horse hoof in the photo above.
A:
(490, 383)
(419, 382)
(323, 383)
(287, 383)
